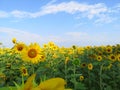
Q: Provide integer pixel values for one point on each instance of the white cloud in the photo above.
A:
(76, 34)
(105, 19)
(71, 7)
(8, 33)
(3, 14)
(67, 39)
(20, 14)
(99, 11)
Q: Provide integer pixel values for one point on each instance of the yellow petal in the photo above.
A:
(29, 83)
(53, 84)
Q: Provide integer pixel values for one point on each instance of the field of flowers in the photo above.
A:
(50, 67)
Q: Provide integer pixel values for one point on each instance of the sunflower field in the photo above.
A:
(50, 67)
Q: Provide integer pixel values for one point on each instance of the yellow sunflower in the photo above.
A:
(19, 47)
(88, 47)
(99, 58)
(66, 60)
(112, 57)
(83, 65)
(52, 84)
(24, 71)
(14, 40)
(90, 66)
(109, 49)
(32, 53)
(81, 78)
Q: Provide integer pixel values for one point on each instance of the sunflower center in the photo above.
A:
(32, 53)
(24, 71)
(83, 64)
(112, 57)
(108, 50)
(20, 48)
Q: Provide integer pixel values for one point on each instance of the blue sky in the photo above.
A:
(65, 22)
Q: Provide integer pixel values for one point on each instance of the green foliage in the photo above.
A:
(105, 74)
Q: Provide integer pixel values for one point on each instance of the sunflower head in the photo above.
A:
(112, 57)
(66, 60)
(88, 47)
(99, 58)
(81, 78)
(109, 49)
(19, 47)
(90, 66)
(24, 71)
(32, 53)
(14, 40)
(83, 65)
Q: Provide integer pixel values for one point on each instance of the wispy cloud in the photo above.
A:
(9, 33)
(67, 39)
(3, 14)
(90, 11)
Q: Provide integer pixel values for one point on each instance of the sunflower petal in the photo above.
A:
(53, 84)
(29, 83)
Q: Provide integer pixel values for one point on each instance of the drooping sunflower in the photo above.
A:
(14, 40)
(19, 47)
(32, 53)
(90, 66)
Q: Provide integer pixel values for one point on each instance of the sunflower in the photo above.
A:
(24, 71)
(52, 84)
(83, 65)
(42, 57)
(66, 60)
(109, 49)
(90, 66)
(81, 78)
(99, 58)
(80, 50)
(112, 57)
(55, 56)
(14, 40)
(51, 44)
(19, 47)
(32, 53)
(88, 47)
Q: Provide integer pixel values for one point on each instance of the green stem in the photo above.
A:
(33, 71)
(101, 67)
(89, 79)
(74, 71)
(66, 73)
(114, 79)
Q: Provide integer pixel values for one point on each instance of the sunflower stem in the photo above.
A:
(66, 73)
(101, 67)
(74, 77)
(33, 71)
